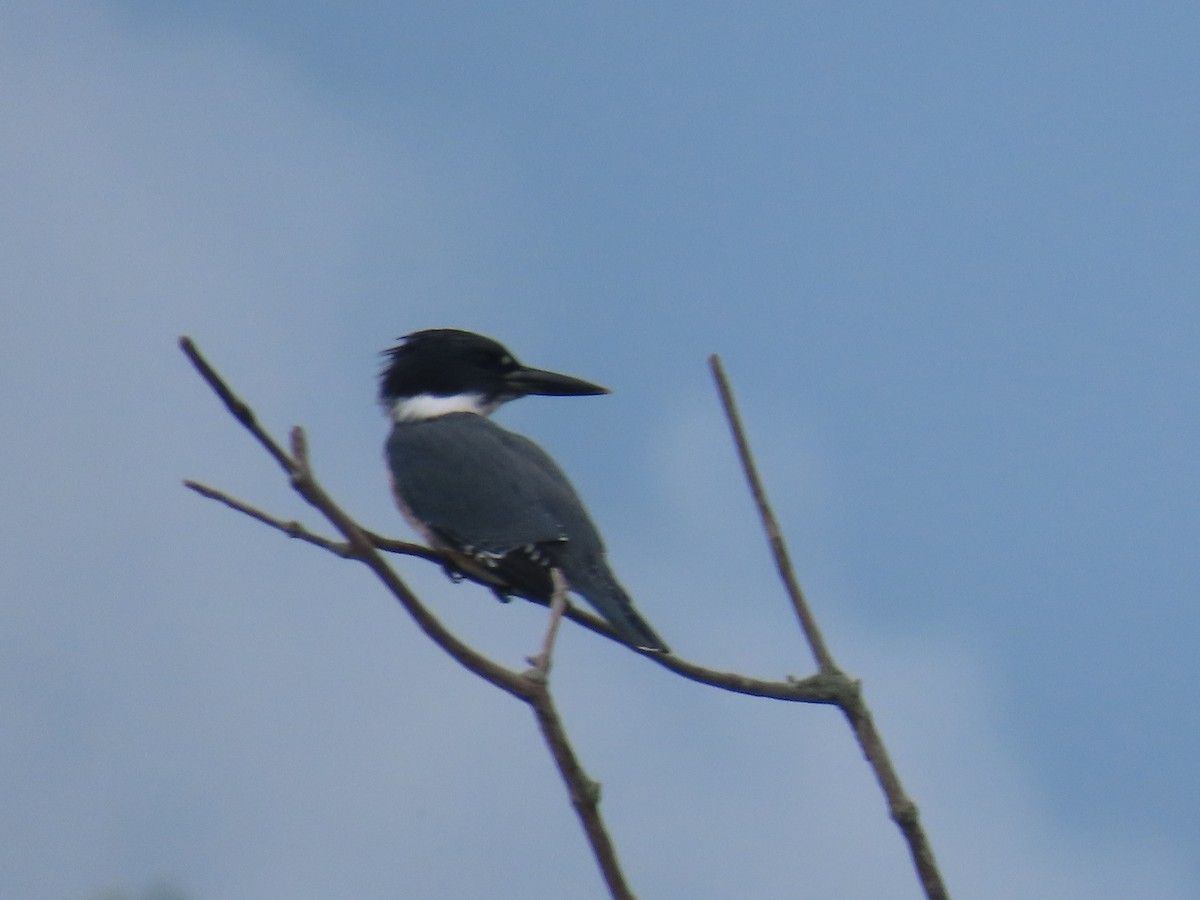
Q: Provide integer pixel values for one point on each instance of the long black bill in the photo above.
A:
(551, 384)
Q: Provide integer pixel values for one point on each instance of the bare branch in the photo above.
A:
(236, 407)
(903, 811)
(585, 793)
(530, 687)
(828, 686)
(292, 529)
(295, 529)
(821, 688)
(774, 536)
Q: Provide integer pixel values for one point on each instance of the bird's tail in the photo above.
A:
(610, 600)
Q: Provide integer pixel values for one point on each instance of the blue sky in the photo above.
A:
(948, 253)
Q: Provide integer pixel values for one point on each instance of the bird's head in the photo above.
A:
(444, 370)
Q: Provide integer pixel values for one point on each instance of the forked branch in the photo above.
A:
(528, 687)
(828, 686)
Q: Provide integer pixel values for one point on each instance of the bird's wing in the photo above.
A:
(501, 498)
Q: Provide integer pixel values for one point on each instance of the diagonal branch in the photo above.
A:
(236, 407)
(530, 687)
(779, 551)
(585, 793)
(903, 811)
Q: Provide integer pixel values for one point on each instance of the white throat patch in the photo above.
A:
(430, 406)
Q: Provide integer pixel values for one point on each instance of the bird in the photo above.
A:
(493, 501)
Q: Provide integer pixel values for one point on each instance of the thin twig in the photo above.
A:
(292, 529)
(783, 561)
(903, 811)
(295, 529)
(236, 407)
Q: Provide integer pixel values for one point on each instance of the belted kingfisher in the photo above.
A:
(494, 501)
